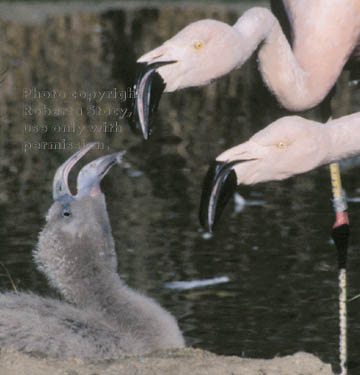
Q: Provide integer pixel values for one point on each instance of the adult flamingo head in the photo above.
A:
(196, 55)
(289, 146)
(208, 49)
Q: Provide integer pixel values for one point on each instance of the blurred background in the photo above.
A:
(67, 80)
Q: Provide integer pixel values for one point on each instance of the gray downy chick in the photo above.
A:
(100, 317)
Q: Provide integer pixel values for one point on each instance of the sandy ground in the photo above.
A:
(170, 362)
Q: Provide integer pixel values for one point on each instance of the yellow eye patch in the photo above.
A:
(198, 44)
(281, 145)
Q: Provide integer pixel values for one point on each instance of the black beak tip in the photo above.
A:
(218, 187)
(149, 86)
(135, 124)
(132, 119)
(203, 218)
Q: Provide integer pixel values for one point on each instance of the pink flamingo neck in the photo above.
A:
(301, 77)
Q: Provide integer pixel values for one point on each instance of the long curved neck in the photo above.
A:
(277, 63)
(302, 77)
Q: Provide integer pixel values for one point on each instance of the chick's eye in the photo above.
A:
(198, 44)
(66, 212)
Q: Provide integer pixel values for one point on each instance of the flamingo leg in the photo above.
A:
(340, 233)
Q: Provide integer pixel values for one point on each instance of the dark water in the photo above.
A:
(282, 292)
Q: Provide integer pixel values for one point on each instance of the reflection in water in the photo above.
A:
(184, 285)
(282, 291)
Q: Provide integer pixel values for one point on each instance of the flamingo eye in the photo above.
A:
(281, 145)
(198, 44)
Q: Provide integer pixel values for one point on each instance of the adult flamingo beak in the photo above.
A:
(149, 86)
(219, 185)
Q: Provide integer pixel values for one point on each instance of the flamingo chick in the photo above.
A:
(287, 147)
(99, 317)
(324, 35)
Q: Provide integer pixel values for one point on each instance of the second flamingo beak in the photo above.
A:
(149, 86)
(219, 185)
